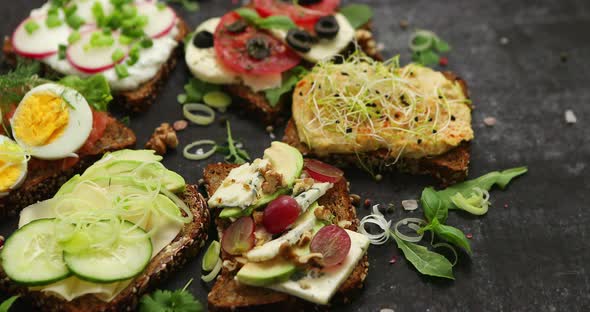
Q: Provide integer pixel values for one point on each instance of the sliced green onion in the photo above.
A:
(74, 37)
(202, 120)
(125, 40)
(181, 98)
(199, 156)
(53, 21)
(146, 43)
(61, 52)
(74, 21)
(211, 256)
(217, 99)
(211, 276)
(412, 223)
(422, 40)
(121, 71)
(31, 27)
(118, 55)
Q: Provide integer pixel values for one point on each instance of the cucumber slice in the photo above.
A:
(125, 260)
(32, 256)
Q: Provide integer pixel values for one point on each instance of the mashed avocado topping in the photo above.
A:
(362, 105)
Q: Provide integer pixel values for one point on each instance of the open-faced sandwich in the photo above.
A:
(132, 43)
(288, 233)
(382, 116)
(106, 237)
(259, 52)
(51, 131)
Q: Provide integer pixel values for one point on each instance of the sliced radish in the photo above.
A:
(160, 21)
(43, 42)
(94, 60)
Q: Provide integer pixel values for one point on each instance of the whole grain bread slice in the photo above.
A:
(140, 99)
(228, 295)
(450, 167)
(45, 177)
(185, 246)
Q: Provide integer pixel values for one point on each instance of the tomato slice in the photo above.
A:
(232, 49)
(99, 124)
(302, 15)
(322, 172)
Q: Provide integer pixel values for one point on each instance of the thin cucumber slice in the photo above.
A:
(32, 256)
(126, 259)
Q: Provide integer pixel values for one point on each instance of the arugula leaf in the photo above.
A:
(450, 234)
(271, 22)
(170, 301)
(294, 76)
(232, 153)
(5, 306)
(425, 261)
(433, 206)
(357, 14)
(95, 89)
(485, 182)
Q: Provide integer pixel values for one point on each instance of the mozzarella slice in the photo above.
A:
(321, 289)
(326, 48)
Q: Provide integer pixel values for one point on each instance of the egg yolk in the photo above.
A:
(41, 119)
(11, 158)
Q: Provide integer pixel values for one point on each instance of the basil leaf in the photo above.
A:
(249, 15)
(8, 303)
(293, 76)
(433, 205)
(441, 46)
(485, 182)
(357, 14)
(95, 89)
(276, 22)
(451, 234)
(425, 261)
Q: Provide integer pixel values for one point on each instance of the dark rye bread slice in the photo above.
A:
(140, 99)
(44, 177)
(255, 103)
(450, 167)
(229, 295)
(185, 246)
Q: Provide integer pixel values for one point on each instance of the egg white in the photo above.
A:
(23, 170)
(76, 132)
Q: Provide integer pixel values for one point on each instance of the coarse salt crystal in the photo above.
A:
(489, 121)
(570, 117)
(410, 204)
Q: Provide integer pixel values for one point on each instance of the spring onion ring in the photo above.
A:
(412, 223)
(379, 220)
(211, 276)
(448, 246)
(428, 35)
(194, 156)
(205, 119)
(189, 215)
(217, 99)
(477, 204)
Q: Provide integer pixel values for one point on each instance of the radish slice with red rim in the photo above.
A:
(239, 236)
(322, 172)
(333, 243)
(92, 60)
(40, 43)
(161, 20)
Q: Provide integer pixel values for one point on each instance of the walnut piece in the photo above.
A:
(272, 181)
(164, 137)
(302, 185)
(366, 41)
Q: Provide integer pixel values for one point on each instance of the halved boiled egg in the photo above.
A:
(52, 122)
(13, 165)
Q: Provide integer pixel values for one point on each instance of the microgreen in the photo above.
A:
(271, 22)
(357, 14)
(426, 47)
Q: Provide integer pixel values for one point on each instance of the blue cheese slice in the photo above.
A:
(241, 188)
(314, 193)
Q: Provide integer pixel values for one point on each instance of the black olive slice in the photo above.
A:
(299, 40)
(327, 27)
(237, 27)
(258, 48)
(203, 39)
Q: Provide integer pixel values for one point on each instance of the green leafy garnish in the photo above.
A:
(233, 153)
(195, 90)
(95, 89)
(448, 233)
(425, 261)
(357, 14)
(271, 22)
(293, 76)
(426, 47)
(170, 301)
(16, 83)
(5, 306)
(31, 26)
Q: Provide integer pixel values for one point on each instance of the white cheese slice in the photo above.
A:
(204, 65)
(308, 197)
(326, 48)
(241, 187)
(321, 289)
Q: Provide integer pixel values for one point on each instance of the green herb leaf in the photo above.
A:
(170, 301)
(426, 58)
(31, 26)
(357, 14)
(8, 303)
(293, 77)
(232, 153)
(451, 234)
(441, 46)
(425, 261)
(95, 89)
(433, 206)
(276, 22)
(249, 15)
(485, 182)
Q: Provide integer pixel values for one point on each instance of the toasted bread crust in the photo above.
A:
(184, 246)
(43, 181)
(449, 168)
(140, 99)
(229, 295)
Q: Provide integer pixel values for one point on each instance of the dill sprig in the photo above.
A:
(14, 84)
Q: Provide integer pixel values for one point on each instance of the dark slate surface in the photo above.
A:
(531, 256)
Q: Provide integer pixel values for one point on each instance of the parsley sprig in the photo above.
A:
(170, 301)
